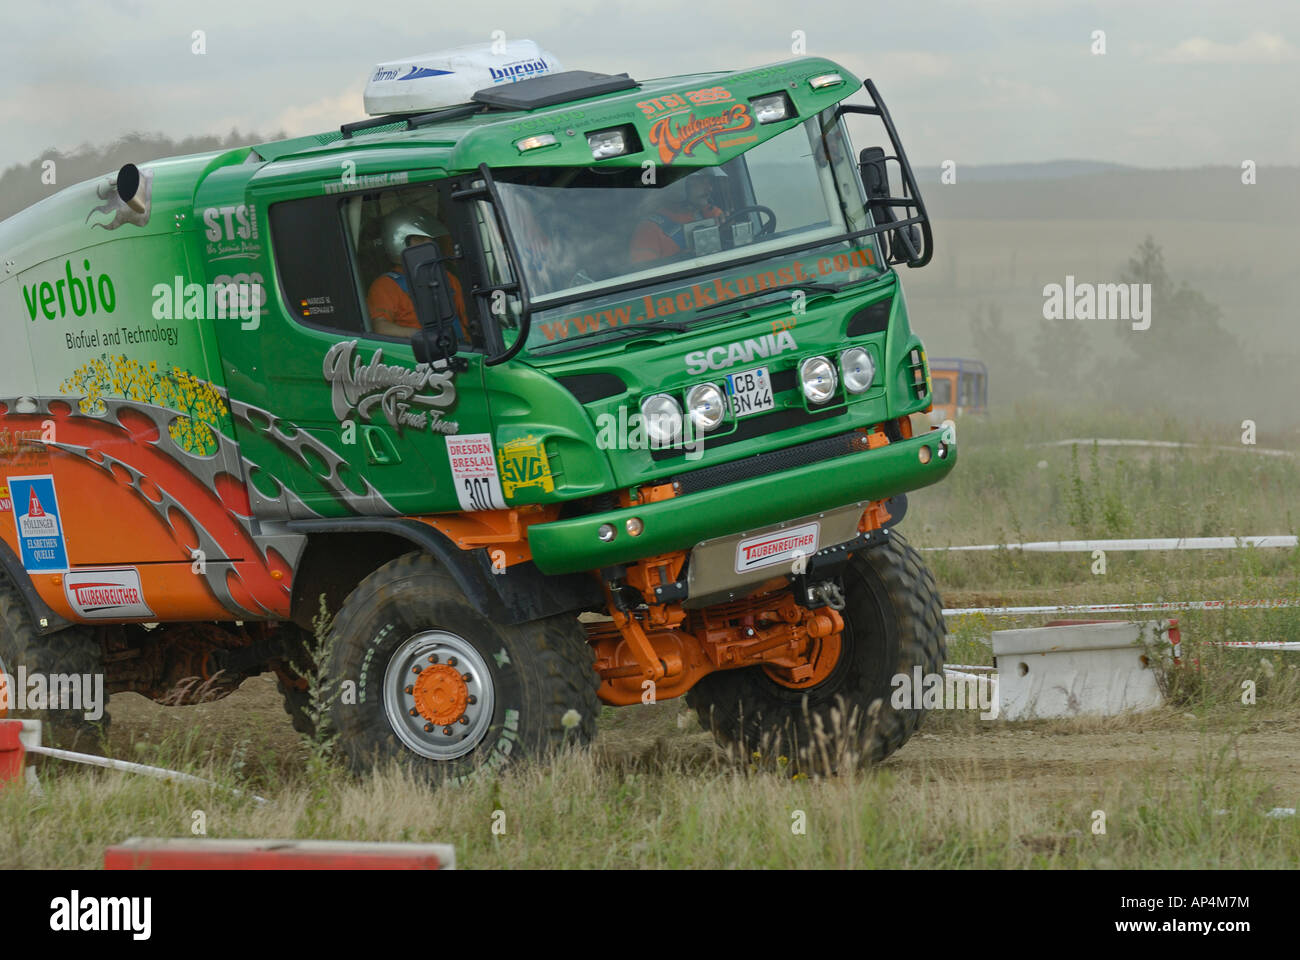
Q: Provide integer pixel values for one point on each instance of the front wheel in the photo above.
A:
(893, 622)
(443, 688)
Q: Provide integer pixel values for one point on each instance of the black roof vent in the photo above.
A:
(546, 91)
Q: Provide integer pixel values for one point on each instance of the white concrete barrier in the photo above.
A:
(1097, 669)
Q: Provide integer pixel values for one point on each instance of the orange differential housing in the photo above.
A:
(674, 648)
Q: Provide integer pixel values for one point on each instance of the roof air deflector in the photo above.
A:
(546, 91)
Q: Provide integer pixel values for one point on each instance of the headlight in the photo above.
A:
(536, 142)
(662, 416)
(706, 405)
(772, 107)
(826, 80)
(858, 369)
(817, 377)
(607, 143)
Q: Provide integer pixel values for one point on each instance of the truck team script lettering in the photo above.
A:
(680, 139)
(360, 387)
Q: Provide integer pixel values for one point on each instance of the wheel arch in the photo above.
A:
(342, 552)
(44, 620)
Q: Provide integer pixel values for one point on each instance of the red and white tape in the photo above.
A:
(1159, 607)
(1141, 543)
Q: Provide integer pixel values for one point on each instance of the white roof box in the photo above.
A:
(450, 77)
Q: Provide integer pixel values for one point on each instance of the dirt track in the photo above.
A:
(1043, 760)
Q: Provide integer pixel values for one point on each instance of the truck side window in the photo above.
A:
(380, 226)
(312, 258)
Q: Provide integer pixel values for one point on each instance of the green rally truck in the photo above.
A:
(550, 387)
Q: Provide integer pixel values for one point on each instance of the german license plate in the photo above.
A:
(751, 392)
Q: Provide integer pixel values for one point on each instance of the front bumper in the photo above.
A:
(570, 546)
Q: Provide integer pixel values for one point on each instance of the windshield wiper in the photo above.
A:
(676, 326)
(811, 285)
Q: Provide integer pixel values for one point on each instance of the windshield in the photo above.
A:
(581, 231)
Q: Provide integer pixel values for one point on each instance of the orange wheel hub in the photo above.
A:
(441, 694)
(824, 653)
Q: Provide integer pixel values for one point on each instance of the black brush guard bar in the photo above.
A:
(903, 247)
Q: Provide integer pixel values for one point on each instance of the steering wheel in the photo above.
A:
(765, 228)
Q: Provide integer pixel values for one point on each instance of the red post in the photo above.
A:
(140, 853)
(13, 755)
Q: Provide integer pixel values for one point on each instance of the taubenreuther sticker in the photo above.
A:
(779, 546)
(106, 594)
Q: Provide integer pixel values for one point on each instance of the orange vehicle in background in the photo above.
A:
(960, 387)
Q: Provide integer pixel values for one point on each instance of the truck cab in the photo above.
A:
(961, 387)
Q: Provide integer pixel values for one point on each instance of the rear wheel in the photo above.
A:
(66, 668)
(442, 687)
(893, 622)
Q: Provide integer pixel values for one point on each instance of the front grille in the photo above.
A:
(590, 387)
(776, 461)
(873, 318)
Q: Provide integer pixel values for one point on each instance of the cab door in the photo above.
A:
(345, 418)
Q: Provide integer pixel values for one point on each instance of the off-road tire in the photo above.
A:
(893, 622)
(298, 662)
(542, 675)
(74, 650)
(297, 704)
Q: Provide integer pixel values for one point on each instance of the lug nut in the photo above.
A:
(463, 719)
(416, 668)
(428, 728)
(447, 731)
(409, 689)
(451, 661)
(413, 712)
(467, 677)
(433, 658)
(472, 699)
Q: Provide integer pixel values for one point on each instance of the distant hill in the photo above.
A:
(1069, 191)
(21, 185)
(1056, 190)
(1050, 170)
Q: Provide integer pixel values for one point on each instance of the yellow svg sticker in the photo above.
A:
(524, 464)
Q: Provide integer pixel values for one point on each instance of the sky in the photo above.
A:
(1182, 83)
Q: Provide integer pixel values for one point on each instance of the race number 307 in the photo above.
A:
(473, 461)
(478, 491)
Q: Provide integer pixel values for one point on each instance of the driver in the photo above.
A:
(392, 313)
(662, 233)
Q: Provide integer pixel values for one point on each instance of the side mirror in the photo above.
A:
(431, 297)
(905, 242)
(875, 176)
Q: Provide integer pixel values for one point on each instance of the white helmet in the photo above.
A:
(404, 223)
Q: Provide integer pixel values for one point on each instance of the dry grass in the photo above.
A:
(1184, 786)
(660, 798)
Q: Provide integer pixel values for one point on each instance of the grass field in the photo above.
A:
(1187, 785)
